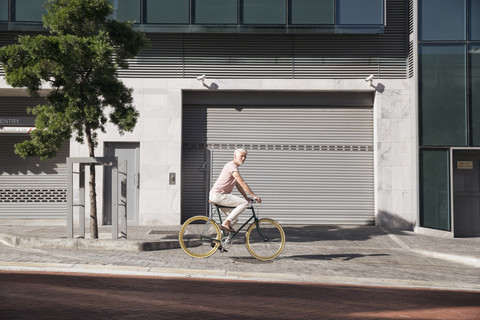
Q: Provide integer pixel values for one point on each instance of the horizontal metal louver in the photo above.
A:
(17, 106)
(31, 188)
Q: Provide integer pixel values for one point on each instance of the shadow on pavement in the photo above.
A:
(345, 256)
(322, 232)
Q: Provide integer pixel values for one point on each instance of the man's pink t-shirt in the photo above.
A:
(225, 181)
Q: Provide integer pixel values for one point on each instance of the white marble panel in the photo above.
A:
(155, 129)
(154, 177)
(154, 152)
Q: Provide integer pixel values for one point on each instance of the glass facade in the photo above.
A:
(311, 12)
(263, 12)
(443, 111)
(215, 11)
(474, 58)
(331, 16)
(29, 10)
(127, 10)
(435, 189)
(3, 10)
(442, 20)
(449, 97)
(360, 12)
(168, 11)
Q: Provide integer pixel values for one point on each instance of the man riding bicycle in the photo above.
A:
(221, 192)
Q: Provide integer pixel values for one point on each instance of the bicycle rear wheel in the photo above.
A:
(199, 237)
(266, 240)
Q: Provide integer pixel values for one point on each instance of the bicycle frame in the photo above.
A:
(253, 216)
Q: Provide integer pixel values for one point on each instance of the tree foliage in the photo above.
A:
(79, 61)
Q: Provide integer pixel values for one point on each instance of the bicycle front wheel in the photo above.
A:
(199, 237)
(265, 240)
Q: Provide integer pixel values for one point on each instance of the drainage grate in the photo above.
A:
(251, 260)
(167, 232)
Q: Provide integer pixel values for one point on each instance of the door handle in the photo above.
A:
(204, 167)
(137, 180)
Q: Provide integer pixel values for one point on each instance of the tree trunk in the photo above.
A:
(92, 185)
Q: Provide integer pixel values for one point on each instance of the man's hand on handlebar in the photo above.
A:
(255, 199)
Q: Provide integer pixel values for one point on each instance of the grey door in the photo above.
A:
(466, 193)
(129, 151)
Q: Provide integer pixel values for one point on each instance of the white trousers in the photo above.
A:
(229, 200)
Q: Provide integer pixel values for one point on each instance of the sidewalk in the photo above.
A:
(328, 254)
(139, 238)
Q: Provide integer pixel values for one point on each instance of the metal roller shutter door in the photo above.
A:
(311, 165)
(31, 188)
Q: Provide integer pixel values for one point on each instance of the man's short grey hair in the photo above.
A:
(240, 150)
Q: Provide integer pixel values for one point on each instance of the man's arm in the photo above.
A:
(243, 187)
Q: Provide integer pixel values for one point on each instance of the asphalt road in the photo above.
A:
(85, 296)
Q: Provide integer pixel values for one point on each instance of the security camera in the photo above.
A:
(369, 78)
(202, 77)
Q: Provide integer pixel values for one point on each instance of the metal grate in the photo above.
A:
(163, 232)
(33, 195)
(251, 260)
(293, 147)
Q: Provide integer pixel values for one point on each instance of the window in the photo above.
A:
(215, 11)
(266, 12)
(3, 10)
(127, 10)
(168, 11)
(435, 189)
(442, 20)
(29, 10)
(474, 55)
(360, 12)
(305, 12)
(474, 18)
(442, 95)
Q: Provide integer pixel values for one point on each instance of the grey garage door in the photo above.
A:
(31, 188)
(312, 163)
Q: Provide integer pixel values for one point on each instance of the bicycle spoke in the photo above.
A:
(199, 237)
(266, 240)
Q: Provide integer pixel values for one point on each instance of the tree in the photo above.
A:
(79, 59)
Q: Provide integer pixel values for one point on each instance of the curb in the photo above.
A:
(229, 275)
(79, 243)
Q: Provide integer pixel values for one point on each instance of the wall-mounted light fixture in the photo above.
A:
(202, 80)
(369, 79)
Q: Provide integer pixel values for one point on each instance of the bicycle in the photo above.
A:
(201, 236)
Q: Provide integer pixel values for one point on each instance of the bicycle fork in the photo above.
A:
(257, 226)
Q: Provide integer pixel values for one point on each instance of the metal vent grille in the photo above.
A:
(33, 195)
(289, 147)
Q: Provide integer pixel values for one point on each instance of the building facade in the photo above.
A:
(287, 80)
